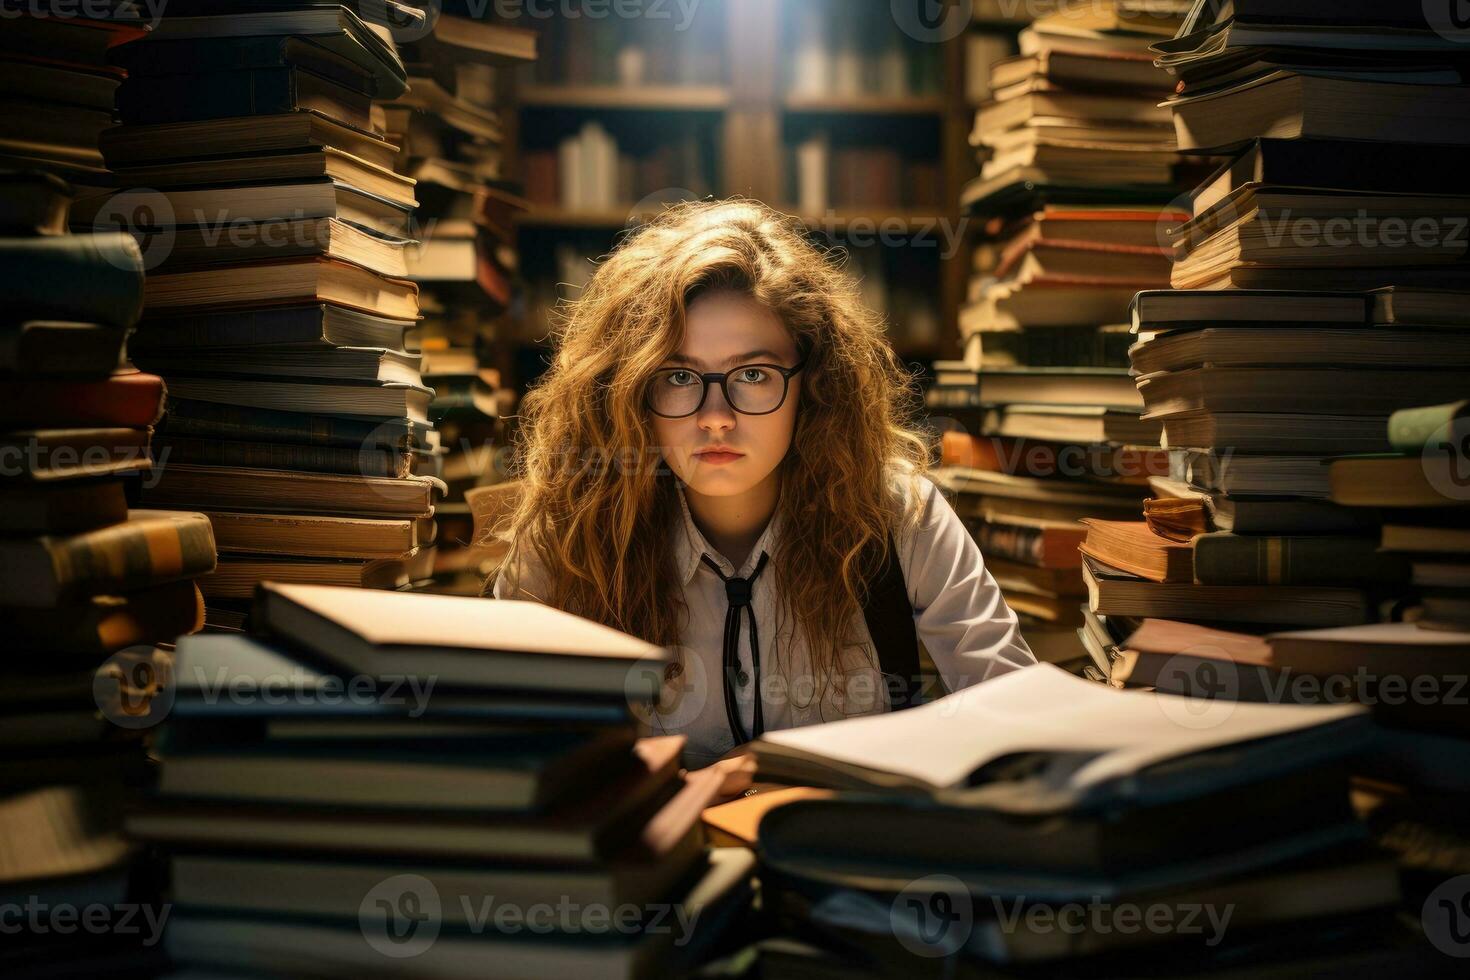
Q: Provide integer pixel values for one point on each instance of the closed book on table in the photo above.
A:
(150, 548)
(711, 905)
(1189, 660)
(126, 400)
(88, 278)
(333, 887)
(586, 830)
(506, 644)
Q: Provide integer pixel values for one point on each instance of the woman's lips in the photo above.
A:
(718, 459)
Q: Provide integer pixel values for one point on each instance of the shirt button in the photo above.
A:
(742, 678)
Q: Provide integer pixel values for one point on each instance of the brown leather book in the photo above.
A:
(1133, 547)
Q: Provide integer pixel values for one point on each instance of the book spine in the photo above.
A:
(187, 418)
(1411, 429)
(278, 456)
(133, 555)
(1230, 559)
(85, 278)
(164, 99)
(1026, 545)
(129, 400)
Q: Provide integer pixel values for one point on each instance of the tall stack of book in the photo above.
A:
(87, 586)
(449, 128)
(951, 849)
(1078, 166)
(452, 787)
(1259, 367)
(250, 164)
(1319, 303)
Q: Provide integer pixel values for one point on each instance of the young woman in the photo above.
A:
(715, 462)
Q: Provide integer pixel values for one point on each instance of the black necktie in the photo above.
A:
(738, 592)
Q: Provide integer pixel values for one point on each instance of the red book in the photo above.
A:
(128, 399)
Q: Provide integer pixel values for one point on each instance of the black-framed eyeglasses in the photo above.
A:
(750, 389)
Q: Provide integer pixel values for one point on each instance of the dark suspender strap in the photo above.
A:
(890, 618)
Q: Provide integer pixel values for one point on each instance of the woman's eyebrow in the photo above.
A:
(745, 358)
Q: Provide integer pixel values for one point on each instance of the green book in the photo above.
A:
(1410, 429)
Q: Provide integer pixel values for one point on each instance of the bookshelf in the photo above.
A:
(725, 83)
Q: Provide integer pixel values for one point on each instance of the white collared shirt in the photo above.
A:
(961, 618)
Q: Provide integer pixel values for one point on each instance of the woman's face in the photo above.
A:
(725, 330)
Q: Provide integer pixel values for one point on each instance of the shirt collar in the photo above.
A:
(689, 546)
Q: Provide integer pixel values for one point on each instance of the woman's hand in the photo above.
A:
(738, 769)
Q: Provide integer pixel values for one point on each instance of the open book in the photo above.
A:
(1067, 740)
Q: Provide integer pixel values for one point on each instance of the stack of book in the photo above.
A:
(1257, 388)
(87, 586)
(1027, 832)
(61, 88)
(1078, 166)
(1022, 500)
(1078, 162)
(452, 787)
(449, 128)
(1319, 305)
(253, 167)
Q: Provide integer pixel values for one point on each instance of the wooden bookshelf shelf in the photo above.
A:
(671, 98)
(873, 105)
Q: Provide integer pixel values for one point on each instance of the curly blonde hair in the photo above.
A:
(598, 519)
